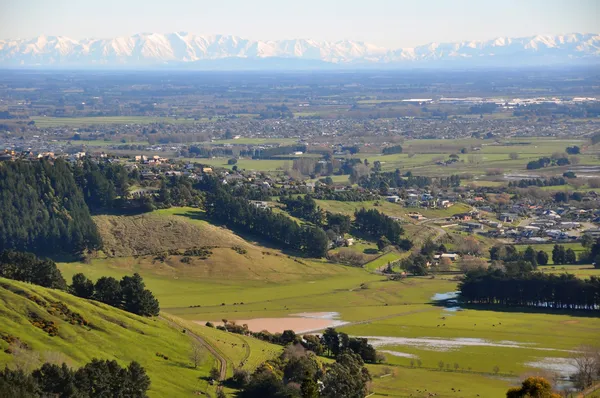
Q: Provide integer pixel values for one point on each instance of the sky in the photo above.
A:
(388, 23)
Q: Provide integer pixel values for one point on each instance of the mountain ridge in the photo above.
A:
(180, 48)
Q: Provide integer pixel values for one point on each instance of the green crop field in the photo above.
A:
(112, 334)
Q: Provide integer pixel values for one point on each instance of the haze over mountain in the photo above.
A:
(182, 49)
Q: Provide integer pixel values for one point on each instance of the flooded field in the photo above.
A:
(300, 323)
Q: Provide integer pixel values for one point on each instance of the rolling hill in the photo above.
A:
(43, 325)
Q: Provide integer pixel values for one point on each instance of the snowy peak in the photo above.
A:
(146, 49)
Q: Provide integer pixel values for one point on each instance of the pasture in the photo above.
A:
(112, 334)
(482, 351)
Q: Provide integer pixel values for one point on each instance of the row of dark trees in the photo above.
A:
(130, 294)
(562, 256)
(237, 212)
(377, 224)
(538, 182)
(98, 378)
(533, 289)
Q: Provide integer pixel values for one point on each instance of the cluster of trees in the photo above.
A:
(238, 212)
(395, 179)
(299, 374)
(105, 187)
(388, 150)
(27, 267)
(276, 112)
(269, 153)
(547, 162)
(304, 207)
(538, 182)
(530, 289)
(518, 261)
(338, 223)
(177, 191)
(534, 386)
(562, 256)
(564, 197)
(42, 210)
(129, 294)
(334, 343)
(101, 183)
(377, 224)
(592, 250)
(98, 378)
(573, 150)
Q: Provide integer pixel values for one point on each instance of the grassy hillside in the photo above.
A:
(160, 231)
(109, 334)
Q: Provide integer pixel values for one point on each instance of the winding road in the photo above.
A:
(220, 358)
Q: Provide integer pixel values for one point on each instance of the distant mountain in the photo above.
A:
(186, 50)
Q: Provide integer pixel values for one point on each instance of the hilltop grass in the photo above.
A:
(113, 335)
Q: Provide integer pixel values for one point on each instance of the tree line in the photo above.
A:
(531, 289)
(98, 378)
(237, 212)
(538, 182)
(129, 294)
(377, 224)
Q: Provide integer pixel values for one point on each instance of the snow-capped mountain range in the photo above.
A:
(155, 49)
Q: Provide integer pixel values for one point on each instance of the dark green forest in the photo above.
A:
(42, 210)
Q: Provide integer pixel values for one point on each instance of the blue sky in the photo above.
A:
(390, 23)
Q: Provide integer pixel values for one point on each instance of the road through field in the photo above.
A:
(211, 349)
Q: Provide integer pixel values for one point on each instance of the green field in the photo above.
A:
(391, 209)
(112, 334)
(265, 282)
